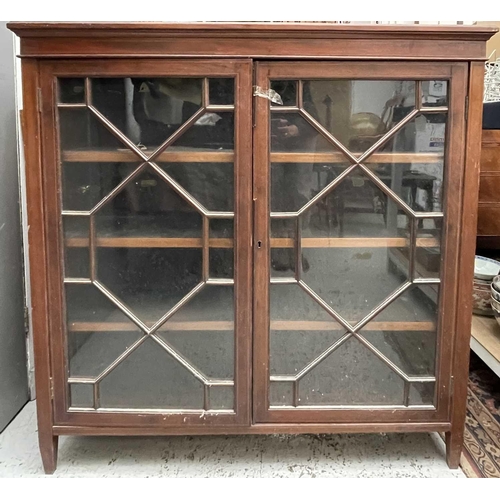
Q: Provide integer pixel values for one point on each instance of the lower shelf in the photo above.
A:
(485, 341)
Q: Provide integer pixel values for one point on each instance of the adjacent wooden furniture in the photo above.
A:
(189, 274)
(488, 224)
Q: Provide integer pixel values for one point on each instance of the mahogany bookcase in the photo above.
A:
(251, 228)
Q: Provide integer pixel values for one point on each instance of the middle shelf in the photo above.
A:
(205, 155)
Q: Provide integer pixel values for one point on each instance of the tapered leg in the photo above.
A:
(454, 443)
(48, 449)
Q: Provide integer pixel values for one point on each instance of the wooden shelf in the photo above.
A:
(145, 242)
(390, 326)
(485, 341)
(171, 155)
(328, 157)
(158, 242)
(204, 155)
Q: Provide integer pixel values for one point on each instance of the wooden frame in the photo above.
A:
(241, 71)
(456, 74)
(125, 49)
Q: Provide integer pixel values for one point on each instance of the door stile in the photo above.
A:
(241, 71)
(261, 248)
(456, 75)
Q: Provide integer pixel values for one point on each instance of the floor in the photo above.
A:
(481, 456)
(369, 455)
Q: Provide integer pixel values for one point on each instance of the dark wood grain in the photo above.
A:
(488, 221)
(454, 437)
(336, 428)
(241, 70)
(300, 50)
(457, 73)
(257, 40)
(249, 29)
(38, 264)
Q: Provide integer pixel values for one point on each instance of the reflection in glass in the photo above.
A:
(353, 278)
(357, 249)
(86, 184)
(417, 179)
(141, 249)
(80, 130)
(221, 91)
(358, 112)
(146, 277)
(212, 184)
(149, 110)
(71, 90)
(434, 93)
(287, 90)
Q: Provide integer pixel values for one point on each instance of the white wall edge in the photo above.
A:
(24, 219)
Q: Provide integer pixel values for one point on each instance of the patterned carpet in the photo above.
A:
(481, 455)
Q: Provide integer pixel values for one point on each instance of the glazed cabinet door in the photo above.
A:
(147, 172)
(358, 170)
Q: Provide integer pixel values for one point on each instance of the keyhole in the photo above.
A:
(259, 244)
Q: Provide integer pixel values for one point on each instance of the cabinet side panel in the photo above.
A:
(453, 202)
(37, 255)
(466, 264)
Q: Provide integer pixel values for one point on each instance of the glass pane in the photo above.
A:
(428, 251)
(406, 332)
(86, 184)
(82, 395)
(81, 132)
(211, 184)
(98, 332)
(281, 394)
(163, 263)
(417, 178)
(351, 375)
(91, 353)
(283, 240)
(356, 247)
(294, 184)
(358, 112)
(149, 110)
(300, 329)
(421, 394)
(203, 332)
(221, 90)
(212, 131)
(71, 90)
(151, 378)
(221, 254)
(287, 90)
(76, 247)
(146, 230)
(221, 398)
(292, 132)
(221, 263)
(346, 260)
(434, 93)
